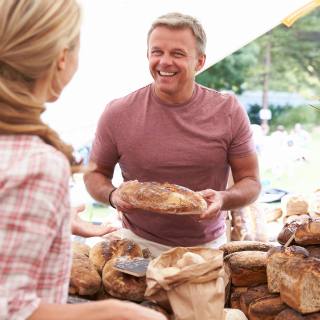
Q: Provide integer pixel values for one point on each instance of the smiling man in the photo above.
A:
(179, 132)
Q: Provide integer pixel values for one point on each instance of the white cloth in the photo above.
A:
(158, 248)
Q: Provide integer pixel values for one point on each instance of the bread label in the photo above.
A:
(136, 268)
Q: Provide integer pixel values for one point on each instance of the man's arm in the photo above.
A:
(98, 184)
(245, 191)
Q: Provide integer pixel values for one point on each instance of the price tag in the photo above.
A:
(135, 268)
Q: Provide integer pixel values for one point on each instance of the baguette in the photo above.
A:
(166, 198)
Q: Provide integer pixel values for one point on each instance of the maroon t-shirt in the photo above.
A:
(187, 144)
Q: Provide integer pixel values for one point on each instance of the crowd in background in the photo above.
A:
(281, 151)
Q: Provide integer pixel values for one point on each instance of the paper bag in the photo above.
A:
(196, 292)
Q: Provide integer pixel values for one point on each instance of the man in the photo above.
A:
(179, 132)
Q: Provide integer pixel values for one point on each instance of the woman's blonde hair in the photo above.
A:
(32, 34)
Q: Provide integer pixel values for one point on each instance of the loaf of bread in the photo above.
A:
(246, 267)
(154, 306)
(104, 251)
(273, 228)
(314, 251)
(300, 284)
(266, 308)
(80, 247)
(289, 314)
(314, 202)
(188, 259)
(254, 292)
(167, 198)
(233, 314)
(296, 217)
(272, 213)
(237, 246)
(294, 204)
(287, 231)
(308, 232)
(276, 258)
(250, 223)
(236, 293)
(314, 215)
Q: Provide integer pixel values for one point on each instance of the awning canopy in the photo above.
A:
(113, 52)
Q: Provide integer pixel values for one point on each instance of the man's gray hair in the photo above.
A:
(176, 20)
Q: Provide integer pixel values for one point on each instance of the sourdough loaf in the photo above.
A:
(237, 246)
(287, 231)
(276, 258)
(167, 198)
(246, 267)
(300, 284)
(266, 308)
(236, 293)
(296, 217)
(294, 204)
(250, 223)
(233, 314)
(308, 232)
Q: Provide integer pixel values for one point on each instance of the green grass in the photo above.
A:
(92, 213)
(306, 177)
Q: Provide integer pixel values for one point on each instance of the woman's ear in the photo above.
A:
(62, 59)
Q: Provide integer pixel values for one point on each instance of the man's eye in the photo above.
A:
(156, 52)
(178, 54)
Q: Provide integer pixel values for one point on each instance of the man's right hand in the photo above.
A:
(123, 206)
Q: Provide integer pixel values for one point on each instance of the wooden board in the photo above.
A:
(135, 268)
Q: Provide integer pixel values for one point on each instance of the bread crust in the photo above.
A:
(287, 232)
(236, 293)
(247, 267)
(314, 250)
(163, 197)
(266, 308)
(289, 314)
(308, 232)
(294, 204)
(237, 246)
(276, 258)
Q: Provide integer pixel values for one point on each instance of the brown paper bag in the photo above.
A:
(196, 292)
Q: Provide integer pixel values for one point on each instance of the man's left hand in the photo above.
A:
(85, 229)
(214, 201)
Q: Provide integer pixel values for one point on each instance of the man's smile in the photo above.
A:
(167, 74)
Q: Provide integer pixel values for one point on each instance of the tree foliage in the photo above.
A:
(295, 61)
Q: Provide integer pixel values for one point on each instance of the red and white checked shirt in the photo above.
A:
(35, 243)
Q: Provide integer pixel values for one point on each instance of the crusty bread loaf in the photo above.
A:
(294, 204)
(287, 232)
(81, 248)
(254, 292)
(272, 213)
(296, 217)
(314, 251)
(289, 314)
(104, 251)
(250, 223)
(273, 228)
(233, 314)
(237, 246)
(154, 306)
(246, 267)
(167, 198)
(236, 293)
(300, 284)
(276, 258)
(122, 285)
(266, 308)
(308, 232)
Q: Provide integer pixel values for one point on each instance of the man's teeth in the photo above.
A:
(167, 73)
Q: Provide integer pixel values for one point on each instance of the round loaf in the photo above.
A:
(122, 285)
(166, 198)
(237, 246)
(287, 232)
(104, 251)
(81, 248)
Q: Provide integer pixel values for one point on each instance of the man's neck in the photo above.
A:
(174, 98)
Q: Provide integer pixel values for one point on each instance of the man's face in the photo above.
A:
(173, 63)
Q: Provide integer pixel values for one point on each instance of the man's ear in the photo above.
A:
(201, 62)
(62, 59)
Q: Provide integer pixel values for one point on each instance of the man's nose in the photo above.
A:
(166, 60)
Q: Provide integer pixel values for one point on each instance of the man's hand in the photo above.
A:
(84, 229)
(123, 206)
(214, 201)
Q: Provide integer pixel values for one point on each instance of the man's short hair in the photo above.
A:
(178, 21)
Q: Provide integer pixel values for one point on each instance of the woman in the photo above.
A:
(39, 43)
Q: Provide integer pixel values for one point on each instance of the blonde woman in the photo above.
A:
(39, 43)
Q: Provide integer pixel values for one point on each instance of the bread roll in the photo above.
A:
(300, 284)
(167, 198)
(276, 258)
(254, 292)
(272, 213)
(237, 246)
(233, 314)
(154, 306)
(122, 285)
(295, 217)
(294, 204)
(250, 223)
(236, 293)
(246, 267)
(266, 308)
(188, 259)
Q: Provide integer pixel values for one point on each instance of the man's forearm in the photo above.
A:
(98, 186)
(243, 193)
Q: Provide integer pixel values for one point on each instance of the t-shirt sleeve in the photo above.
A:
(242, 144)
(104, 150)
